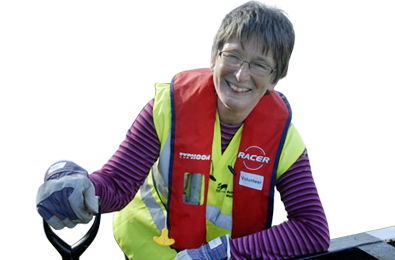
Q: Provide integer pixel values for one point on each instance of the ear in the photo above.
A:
(212, 65)
(271, 87)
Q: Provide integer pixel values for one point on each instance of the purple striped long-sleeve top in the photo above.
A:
(305, 232)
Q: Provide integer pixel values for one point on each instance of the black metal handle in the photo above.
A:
(73, 252)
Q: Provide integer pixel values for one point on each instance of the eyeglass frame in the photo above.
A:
(248, 62)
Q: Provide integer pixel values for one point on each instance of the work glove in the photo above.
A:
(217, 249)
(67, 196)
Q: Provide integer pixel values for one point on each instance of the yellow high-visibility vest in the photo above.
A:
(146, 215)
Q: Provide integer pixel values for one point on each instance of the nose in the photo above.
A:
(243, 72)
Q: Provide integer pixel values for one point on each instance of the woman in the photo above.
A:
(201, 161)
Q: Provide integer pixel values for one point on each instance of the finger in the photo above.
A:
(57, 204)
(183, 255)
(91, 201)
(77, 202)
(56, 223)
(69, 223)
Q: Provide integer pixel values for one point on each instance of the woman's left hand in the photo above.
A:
(217, 249)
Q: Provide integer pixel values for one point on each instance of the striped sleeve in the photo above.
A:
(306, 230)
(120, 178)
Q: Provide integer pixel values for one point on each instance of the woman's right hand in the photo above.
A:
(67, 196)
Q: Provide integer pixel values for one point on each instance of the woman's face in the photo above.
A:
(237, 88)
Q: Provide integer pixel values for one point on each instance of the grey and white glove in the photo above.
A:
(67, 196)
(217, 249)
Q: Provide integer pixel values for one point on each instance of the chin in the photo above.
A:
(235, 106)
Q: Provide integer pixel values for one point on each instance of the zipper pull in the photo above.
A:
(164, 239)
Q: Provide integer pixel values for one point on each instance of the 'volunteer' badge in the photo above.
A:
(250, 180)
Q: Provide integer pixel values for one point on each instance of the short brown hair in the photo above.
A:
(269, 24)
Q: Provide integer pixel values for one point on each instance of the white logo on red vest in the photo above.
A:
(193, 156)
(254, 158)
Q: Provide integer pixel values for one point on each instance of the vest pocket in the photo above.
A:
(193, 188)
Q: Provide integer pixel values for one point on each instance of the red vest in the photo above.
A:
(193, 101)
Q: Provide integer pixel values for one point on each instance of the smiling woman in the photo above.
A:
(237, 87)
(207, 143)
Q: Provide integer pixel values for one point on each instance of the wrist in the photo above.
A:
(228, 246)
(64, 168)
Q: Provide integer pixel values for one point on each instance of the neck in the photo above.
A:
(231, 117)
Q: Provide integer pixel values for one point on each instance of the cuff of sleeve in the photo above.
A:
(228, 247)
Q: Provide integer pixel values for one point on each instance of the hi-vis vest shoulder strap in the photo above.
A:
(193, 105)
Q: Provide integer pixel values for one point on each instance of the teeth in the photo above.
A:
(238, 89)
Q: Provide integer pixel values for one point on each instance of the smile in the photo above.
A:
(238, 89)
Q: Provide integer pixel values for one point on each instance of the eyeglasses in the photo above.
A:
(256, 67)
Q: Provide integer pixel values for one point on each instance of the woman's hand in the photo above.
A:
(217, 249)
(67, 196)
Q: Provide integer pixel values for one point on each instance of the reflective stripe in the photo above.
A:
(160, 184)
(214, 215)
(164, 162)
(154, 208)
(161, 173)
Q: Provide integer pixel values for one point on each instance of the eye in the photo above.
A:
(232, 57)
(261, 66)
